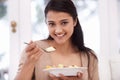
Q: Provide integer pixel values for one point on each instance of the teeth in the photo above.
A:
(60, 35)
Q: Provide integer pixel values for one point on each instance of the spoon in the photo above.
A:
(47, 50)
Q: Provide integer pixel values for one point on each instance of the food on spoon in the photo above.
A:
(50, 49)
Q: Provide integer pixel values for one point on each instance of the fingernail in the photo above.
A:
(60, 75)
(79, 74)
(31, 41)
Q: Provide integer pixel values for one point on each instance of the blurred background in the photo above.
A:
(23, 20)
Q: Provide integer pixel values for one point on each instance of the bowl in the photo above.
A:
(66, 71)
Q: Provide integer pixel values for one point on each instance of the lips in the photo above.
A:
(60, 35)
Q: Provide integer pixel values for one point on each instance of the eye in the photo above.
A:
(51, 24)
(64, 23)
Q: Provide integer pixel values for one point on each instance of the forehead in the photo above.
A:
(54, 15)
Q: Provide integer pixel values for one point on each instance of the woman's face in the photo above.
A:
(60, 25)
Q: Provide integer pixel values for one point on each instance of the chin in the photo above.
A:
(60, 42)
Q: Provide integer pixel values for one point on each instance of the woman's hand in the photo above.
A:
(33, 52)
(62, 77)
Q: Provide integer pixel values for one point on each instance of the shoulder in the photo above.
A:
(91, 56)
(93, 59)
(90, 53)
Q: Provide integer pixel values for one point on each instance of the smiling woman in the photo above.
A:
(60, 27)
(87, 14)
(66, 36)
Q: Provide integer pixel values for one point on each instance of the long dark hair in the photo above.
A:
(69, 7)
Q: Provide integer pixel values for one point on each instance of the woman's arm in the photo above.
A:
(93, 68)
(30, 57)
(25, 72)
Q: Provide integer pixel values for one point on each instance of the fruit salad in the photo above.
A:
(60, 66)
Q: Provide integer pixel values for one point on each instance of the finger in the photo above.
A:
(37, 51)
(63, 77)
(29, 42)
(34, 51)
(30, 47)
(79, 74)
(37, 55)
(32, 55)
(53, 77)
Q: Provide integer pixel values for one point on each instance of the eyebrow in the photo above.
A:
(64, 20)
(60, 20)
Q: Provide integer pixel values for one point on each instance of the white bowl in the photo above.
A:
(66, 71)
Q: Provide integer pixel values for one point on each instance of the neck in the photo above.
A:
(65, 48)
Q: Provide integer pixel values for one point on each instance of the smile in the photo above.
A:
(60, 35)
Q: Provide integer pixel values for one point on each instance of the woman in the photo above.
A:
(65, 34)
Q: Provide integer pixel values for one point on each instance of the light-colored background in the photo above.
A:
(100, 20)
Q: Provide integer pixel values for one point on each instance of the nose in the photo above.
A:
(58, 30)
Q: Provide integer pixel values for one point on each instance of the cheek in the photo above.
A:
(50, 30)
(71, 30)
(71, 27)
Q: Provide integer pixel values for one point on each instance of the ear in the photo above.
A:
(75, 22)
